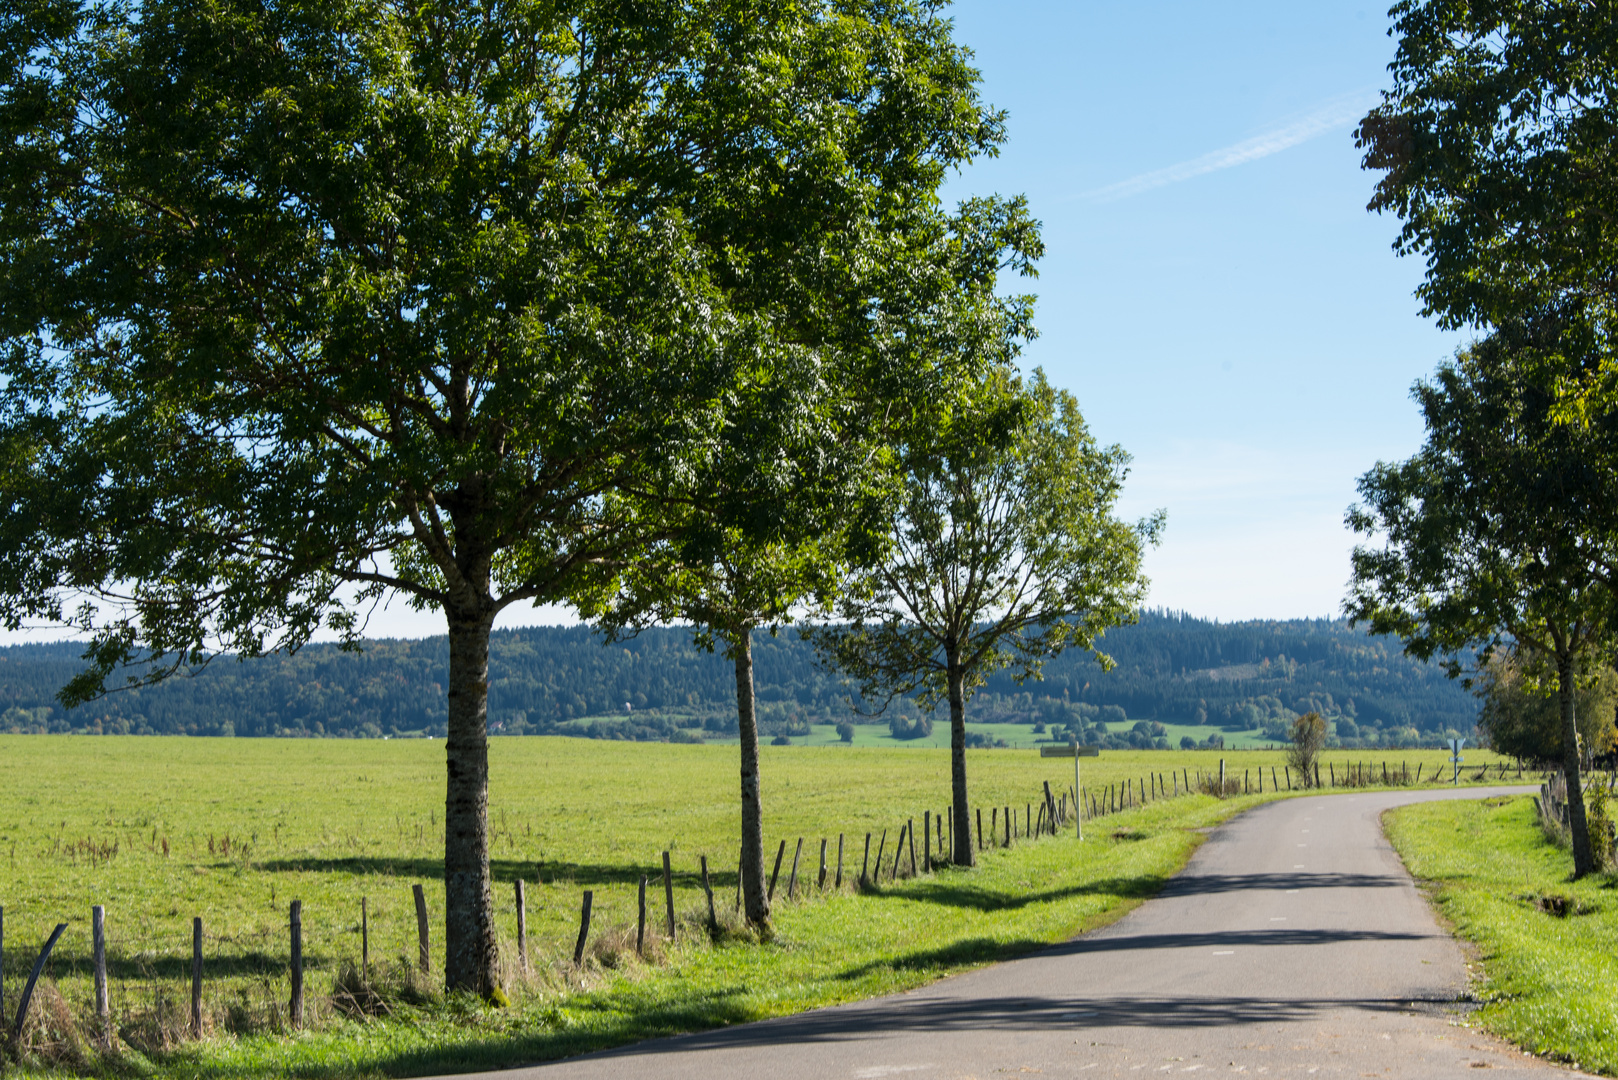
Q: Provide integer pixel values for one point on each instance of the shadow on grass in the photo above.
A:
(585, 875)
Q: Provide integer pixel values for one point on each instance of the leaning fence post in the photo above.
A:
(196, 977)
(792, 881)
(820, 886)
(775, 874)
(839, 883)
(713, 917)
(640, 922)
(668, 892)
(584, 929)
(522, 928)
(295, 1006)
(422, 959)
(98, 930)
(865, 867)
(912, 826)
(28, 988)
(2, 964)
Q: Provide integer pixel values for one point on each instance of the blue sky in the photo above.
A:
(1214, 291)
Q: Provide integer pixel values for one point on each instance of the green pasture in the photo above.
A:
(1018, 736)
(163, 829)
(1549, 946)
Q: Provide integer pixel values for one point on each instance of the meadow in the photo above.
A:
(1548, 946)
(160, 830)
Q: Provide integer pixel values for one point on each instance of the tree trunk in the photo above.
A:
(1583, 862)
(471, 956)
(754, 899)
(962, 856)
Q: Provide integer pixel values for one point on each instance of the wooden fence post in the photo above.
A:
(865, 867)
(28, 988)
(913, 844)
(584, 929)
(640, 923)
(295, 1006)
(522, 928)
(423, 961)
(898, 853)
(792, 879)
(1008, 826)
(780, 852)
(820, 885)
(196, 977)
(980, 828)
(668, 892)
(1221, 778)
(927, 841)
(713, 916)
(98, 932)
(839, 884)
(2, 963)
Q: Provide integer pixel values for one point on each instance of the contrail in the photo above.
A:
(1336, 113)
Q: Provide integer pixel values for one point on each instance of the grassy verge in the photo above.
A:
(161, 830)
(1549, 947)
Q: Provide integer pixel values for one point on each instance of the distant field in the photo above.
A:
(141, 825)
(1018, 736)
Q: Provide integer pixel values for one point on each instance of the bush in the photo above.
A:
(845, 731)
(1187, 743)
(1308, 737)
(919, 728)
(781, 740)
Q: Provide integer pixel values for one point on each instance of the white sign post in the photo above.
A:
(1455, 759)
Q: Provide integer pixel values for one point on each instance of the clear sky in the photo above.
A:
(1214, 291)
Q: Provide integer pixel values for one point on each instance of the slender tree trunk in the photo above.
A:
(962, 855)
(471, 956)
(1583, 862)
(754, 899)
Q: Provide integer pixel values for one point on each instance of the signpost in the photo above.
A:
(1455, 758)
(1074, 751)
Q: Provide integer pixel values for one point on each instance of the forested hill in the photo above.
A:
(1170, 668)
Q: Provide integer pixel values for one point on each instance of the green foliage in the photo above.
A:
(1547, 946)
(1496, 143)
(561, 680)
(1005, 552)
(1522, 717)
(1307, 739)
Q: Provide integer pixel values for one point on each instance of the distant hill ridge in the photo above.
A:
(563, 680)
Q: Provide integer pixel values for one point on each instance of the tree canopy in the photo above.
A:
(1492, 534)
(1004, 551)
(302, 303)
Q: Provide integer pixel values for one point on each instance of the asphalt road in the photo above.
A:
(1294, 944)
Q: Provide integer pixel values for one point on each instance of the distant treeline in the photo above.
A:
(564, 680)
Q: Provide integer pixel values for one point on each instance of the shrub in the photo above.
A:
(845, 731)
(1308, 737)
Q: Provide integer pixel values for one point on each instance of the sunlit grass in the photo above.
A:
(1550, 981)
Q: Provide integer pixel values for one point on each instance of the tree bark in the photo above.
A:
(963, 855)
(754, 899)
(1583, 861)
(471, 955)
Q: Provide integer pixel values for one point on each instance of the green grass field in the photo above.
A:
(161, 830)
(1549, 946)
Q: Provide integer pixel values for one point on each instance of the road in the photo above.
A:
(1293, 944)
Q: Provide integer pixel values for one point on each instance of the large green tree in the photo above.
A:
(1498, 147)
(303, 303)
(1003, 550)
(1490, 536)
(728, 582)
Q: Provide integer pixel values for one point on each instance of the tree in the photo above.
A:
(306, 303)
(1308, 737)
(811, 485)
(1519, 718)
(1003, 551)
(1497, 146)
(1491, 536)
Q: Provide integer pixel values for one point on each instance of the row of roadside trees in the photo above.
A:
(649, 308)
(1496, 145)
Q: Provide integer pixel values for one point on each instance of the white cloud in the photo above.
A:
(1337, 113)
